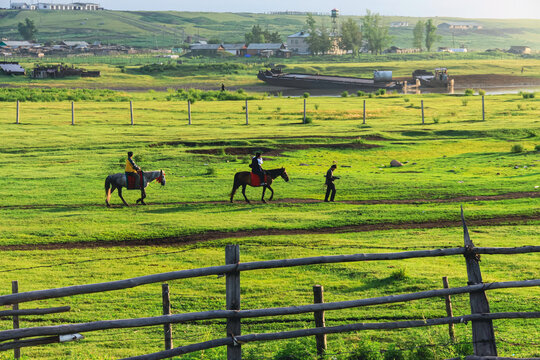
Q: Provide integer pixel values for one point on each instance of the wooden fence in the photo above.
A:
(483, 337)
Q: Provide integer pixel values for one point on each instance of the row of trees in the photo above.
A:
(370, 32)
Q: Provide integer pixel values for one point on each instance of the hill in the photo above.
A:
(171, 28)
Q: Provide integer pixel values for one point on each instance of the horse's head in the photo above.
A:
(161, 178)
(284, 174)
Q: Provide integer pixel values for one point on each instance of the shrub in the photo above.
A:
(259, 107)
(537, 147)
(211, 95)
(371, 95)
(365, 351)
(406, 99)
(394, 354)
(436, 119)
(294, 351)
(316, 106)
(278, 109)
(517, 148)
(527, 95)
(210, 171)
(221, 152)
(240, 91)
(465, 102)
(423, 353)
(345, 94)
(481, 92)
(399, 274)
(469, 92)
(380, 92)
(360, 93)
(306, 95)
(308, 120)
(49, 95)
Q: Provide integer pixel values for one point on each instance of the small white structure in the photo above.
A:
(22, 6)
(55, 6)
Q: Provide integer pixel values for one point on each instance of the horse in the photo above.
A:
(243, 178)
(118, 181)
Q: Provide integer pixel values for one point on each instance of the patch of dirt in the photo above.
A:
(218, 235)
(267, 151)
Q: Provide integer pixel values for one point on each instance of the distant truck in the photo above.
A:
(435, 80)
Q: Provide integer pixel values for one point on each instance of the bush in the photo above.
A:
(423, 353)
(528, 95)
(316, 106)
(294, 351)
(278, 109)
(394, 354)
(360, 93)
(465, 102)
(345, 94)
(308, 120)
(210, 171)
(371, 95)
(211, 95)
(399, 274)
(306, 95)
(380, 92)
(469, 92)
(481, 92)
(436, 119)
(365, 351)
(49, 95)
(537, 147)
(517, 148)
(406, 99)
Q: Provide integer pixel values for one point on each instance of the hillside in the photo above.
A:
(170, 28)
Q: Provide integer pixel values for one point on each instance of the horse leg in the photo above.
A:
(234, 188)
(121, 197)
(272, 190)
(244, 193)
(262, 197)
(109, 193)
(141, 199)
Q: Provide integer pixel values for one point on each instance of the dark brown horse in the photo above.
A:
(243, 178)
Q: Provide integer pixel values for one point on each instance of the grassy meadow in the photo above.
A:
(53, 196)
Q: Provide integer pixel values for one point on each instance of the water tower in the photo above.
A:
(334, 15)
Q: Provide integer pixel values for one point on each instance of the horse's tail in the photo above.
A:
(108, 188)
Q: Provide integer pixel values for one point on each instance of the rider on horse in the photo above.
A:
(256, 167)
(132, 169)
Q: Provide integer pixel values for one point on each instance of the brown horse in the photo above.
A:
(243, 178)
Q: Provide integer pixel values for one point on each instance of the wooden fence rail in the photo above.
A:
(254, 313)
(330, 330)
(46, 311)
(248, 266)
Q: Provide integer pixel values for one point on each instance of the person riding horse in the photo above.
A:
(133, 170)
(256, 167)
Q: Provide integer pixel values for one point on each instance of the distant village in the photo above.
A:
(79, 6)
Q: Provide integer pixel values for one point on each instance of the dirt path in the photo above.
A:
(255, 200)
(218, 235)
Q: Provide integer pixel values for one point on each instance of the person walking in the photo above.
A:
(256, 167)
(330, 187)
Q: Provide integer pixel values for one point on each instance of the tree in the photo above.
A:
(374, 32)
(319, 40)
(27, 29)
(258, 35)
(431, 34)
(351, 36)
(418, 35)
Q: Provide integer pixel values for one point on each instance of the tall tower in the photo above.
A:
(334, 15)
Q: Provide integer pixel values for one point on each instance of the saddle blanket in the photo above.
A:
(133, 181)
(256, 180)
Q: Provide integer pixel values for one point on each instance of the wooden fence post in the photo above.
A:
(364, 112)
(482, 330)
(304, 121)
(72, 113)
(318, 298)
(131, 111)
(167, 328)
(483, 109)
(189, 112)
(14, 290)
(422, 102)
(17, 115)
(232, 285)
(449, 311)
(247, 113)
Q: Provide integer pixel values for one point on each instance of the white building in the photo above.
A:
(56, 6)
(22, 6)
(298, 44)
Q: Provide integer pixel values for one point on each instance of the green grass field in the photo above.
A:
(166, 29)
(53, 197)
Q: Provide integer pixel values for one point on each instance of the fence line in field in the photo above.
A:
(482, 320)
(190, 104)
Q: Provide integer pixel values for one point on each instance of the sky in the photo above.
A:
(529, 9)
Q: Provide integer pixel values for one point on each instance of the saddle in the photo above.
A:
(256, 180)
(133, 181)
